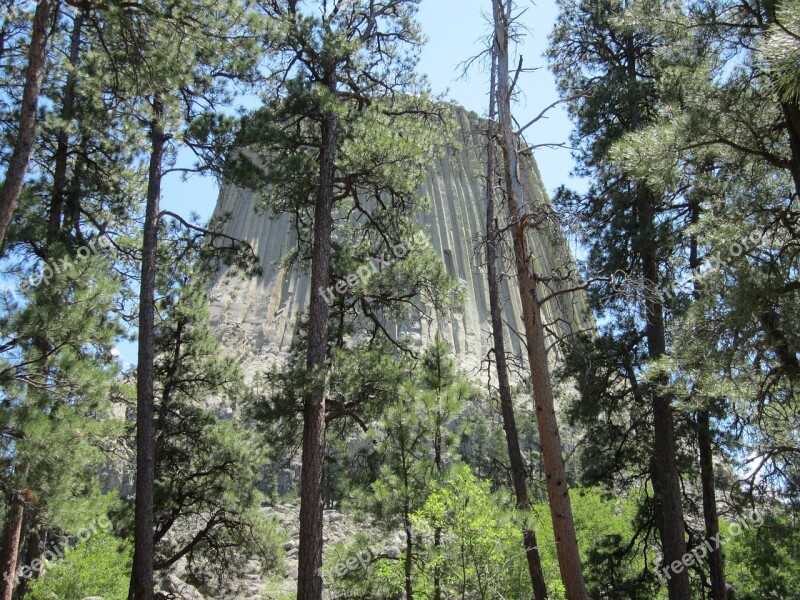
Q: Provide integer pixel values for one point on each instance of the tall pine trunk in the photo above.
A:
(23, 147)
(309, 580)
(663, 464)
(142, 574)
(61, 158)
(792, 114)
(12, 535)
(569, 561)
(716, 563)
(409, 555)
(506, 405)
(34, 549)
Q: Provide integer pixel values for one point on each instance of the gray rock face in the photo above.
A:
(256, 318)
(173, 587)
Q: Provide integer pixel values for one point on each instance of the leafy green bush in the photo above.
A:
(613, 560)
(481, 554)
(99, 566)
(764, 562)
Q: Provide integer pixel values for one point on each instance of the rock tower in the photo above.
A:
(257, 317)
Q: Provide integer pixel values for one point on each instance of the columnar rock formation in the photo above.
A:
(256, 317)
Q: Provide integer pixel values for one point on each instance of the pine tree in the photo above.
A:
(169, 88)
(515, 459)
(338, 133)
(406, 470)
(26, 134)
(444, 397)
(699, 189)
(56, 378)
(415, 442)
(89, 193)
(607, 62)
(556, 477)
(206, 468)
(73, 256)
(725, 138)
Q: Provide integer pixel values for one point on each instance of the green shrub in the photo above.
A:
(764, 561)
(99, 566)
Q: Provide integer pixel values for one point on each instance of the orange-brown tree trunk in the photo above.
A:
(141, 587)
(61, 158)
(23, 147)
(569, 561)
(12, 535)
(515, 460)
(309, 580)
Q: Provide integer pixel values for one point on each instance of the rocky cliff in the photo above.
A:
(256, 317)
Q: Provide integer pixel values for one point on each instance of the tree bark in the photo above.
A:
(664, 467)
(142, 574)
(663, 463)
(62, 147)
(309, 580)
(12, 535)
(704, 444)
(72, 208)
(506, 404)
(408, 557)
(716, 562)
(35, 549)
(23, 147)
(569, 561)
(792, 114)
